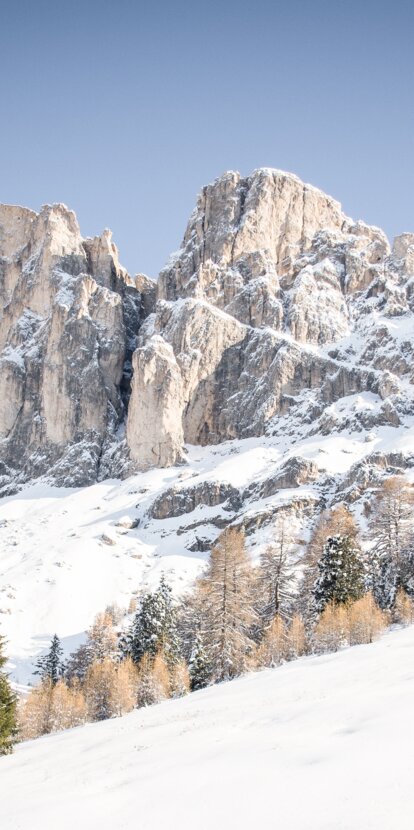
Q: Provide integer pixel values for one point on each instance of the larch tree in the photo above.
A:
(331, 631)
(102, 637)
(365, 620)
(273, 649)
(296, 638)
(153, 680)
(8, 708)
(101, 690)
(275, 576)
(228, 606)
(391, 529)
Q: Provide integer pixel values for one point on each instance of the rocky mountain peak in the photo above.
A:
(276, 306)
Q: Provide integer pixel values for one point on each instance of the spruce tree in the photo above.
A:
(50, 666)
(199, 667)
(341, 576)
(8, 705)
(154, 628)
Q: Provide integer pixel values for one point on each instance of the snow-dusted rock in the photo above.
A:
(69, 320)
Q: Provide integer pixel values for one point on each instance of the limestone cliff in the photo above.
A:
(276, 307)
(69, 319)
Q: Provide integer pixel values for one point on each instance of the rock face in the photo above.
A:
(70, 316)
(275, 299)
(276, 309)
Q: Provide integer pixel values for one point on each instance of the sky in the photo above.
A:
(123, 110)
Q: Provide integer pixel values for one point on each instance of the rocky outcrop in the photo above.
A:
(293, 473)
(68, 329)
(178, 501)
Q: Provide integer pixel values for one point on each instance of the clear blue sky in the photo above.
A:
(123, 109)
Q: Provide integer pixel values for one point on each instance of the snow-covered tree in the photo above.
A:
(338, 521)
(179, 679)
(341, 576)
(78, 664)
(7, 708)
(365, 620)
(331, 631)
(100, 689)
(275, 577)
(50, 666)
(154, 627)
(199, 666)
(273, 649)
(403, 610)
(392, 534)
(102, 637)
(51, 708)
(153, 680)
(296, 638)
(228, 612)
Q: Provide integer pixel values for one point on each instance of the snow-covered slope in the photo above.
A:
(66, 554)
(324, 743)
(270, 368)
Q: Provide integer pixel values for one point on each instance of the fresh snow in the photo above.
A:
(323, 743)
(58, 568)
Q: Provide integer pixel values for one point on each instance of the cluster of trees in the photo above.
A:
(238, 617)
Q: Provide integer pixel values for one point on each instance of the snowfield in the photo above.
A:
(324, 743)
(66, 554)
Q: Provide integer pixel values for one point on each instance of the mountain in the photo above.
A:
(270, 368)
(318, 743)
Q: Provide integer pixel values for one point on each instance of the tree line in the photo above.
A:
(238, 617)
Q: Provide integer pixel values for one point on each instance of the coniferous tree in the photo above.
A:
(227, 592)
(275, 577)
(154, 627)
(365, 620)
(296, 638)
(199, 666)
(153, 680)
(50, 667)
(102, 637)
(392, 533)
(273, 649)
(8, 705)
(341, 576)
(78, 664)
(338, 521)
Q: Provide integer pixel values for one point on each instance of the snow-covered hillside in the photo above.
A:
(66, 554)
(324, 743)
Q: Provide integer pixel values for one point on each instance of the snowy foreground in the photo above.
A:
(324, 743)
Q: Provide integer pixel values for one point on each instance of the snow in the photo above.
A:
(320, 743)
(57, 571)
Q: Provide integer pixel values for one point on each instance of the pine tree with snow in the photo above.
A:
(154, 628)
(338, 521)
(50, 667)
(341, 576)
(199, 666)
(8, 705)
